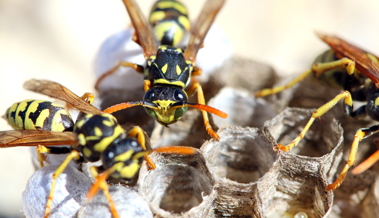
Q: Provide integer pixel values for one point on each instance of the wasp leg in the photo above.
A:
(197, 71)
(137, 131)
(88, 97)
(73, 155)
(136, 67)
(200, 98)
(317, 68)
(42, 150)
(359, 135)
(102, 183)
(146, 85)
(318, 113)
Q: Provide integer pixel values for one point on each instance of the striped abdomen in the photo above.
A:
(39, 115)
(169, 18)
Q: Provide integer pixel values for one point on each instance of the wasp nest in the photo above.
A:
(241, 175)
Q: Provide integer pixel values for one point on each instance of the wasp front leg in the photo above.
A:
(73, 155)
(137, 131)
(200, 98)
(136, 67)
(317, 68)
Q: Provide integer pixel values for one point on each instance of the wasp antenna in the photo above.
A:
(366, 164)
(208, 109)
(122, 106)
(176, 150)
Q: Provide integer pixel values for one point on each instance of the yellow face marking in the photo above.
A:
(377, 102)
(103, 144)
(130, 171)
(124, 157)
(156, 16)
(172, 4)
(183, 20)
(178, 70)
(87, 152)
(164, 68)
(98, 131)
(82, 139)
(163, 81)
(164, 112)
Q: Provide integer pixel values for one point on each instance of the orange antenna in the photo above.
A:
(176, 150)
(208, 109)
(122, 106)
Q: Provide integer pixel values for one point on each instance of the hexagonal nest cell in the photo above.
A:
(240, 175)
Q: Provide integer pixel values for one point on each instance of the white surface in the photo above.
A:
(57, 40)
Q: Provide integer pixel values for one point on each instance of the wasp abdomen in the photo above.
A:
(39, 115)
(169, 18)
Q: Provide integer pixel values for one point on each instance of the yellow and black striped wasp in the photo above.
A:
(169, 69)
(357, 73)
(95, 136)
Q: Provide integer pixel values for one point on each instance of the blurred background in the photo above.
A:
(58, 40)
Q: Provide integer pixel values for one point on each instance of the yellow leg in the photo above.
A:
(41, 157)
(137, 131)
(102, 183)
(88, 97)
(136, 67)
(200, 98)
(350, 161)
(147, 85)
(196, 71)
(73, 155)
(318, 113)
(317, 68)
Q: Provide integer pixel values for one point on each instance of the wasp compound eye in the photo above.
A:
(179, 95)
(149, 95)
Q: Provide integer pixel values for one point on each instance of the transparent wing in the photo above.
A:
(60, 92)
(362, 62)
(201, 27)
(142, 28)
(17, 138)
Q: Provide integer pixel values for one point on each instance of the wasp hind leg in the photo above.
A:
(136, 67)
(138, 132)
(359, 135)
(317, 68)
(42, 151)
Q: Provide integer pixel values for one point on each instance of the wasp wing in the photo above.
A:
(201, 27)
(142, 28)
(362, 62)
(17, 138)
(60, 92)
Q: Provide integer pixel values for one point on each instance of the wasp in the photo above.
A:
(169, 69)
(94, 136)
(357, 73)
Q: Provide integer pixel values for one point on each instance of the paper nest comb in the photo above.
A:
(238, 176)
